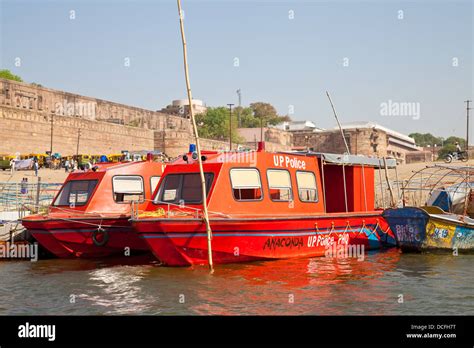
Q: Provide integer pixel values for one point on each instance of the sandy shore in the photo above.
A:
(47, 175)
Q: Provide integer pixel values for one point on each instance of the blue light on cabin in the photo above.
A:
(192, 148)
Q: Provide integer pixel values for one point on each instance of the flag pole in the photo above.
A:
(198, 146)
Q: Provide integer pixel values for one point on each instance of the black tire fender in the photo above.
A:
(105, 237)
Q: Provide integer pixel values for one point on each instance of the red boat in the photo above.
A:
(263, 206)
(89, 217)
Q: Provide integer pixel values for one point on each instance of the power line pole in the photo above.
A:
(467, 124)
(51, 145)
(239, 93)
(230, 126)
(78, 138)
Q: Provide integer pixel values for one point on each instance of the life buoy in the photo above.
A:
(105, 237)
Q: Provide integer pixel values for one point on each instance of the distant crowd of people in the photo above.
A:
(13, 166)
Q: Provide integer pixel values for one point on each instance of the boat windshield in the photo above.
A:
(75, 193)
(182, 188)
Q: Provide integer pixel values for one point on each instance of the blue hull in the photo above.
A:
(417, 230)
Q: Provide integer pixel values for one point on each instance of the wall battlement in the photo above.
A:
(29, 112)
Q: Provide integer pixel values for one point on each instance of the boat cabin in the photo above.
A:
(108, 188)
(265, 183)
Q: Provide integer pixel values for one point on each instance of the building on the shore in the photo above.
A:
(180, 107)
(297, 126)
(363, 138)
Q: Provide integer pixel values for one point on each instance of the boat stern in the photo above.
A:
(408, 225)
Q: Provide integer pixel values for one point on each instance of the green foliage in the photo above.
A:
(6, 74)
(214, 124)
(448, 145)
(268, 113)
(426, 139)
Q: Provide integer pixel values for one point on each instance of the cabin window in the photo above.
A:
(246, 184)
(154, 180)
(307, 190)
(128, 188)
(185, 188)
(279, 185)
(75, 193)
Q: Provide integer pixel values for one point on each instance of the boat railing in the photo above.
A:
(32, 197)
(172, 210)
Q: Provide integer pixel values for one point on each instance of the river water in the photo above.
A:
(384, 283)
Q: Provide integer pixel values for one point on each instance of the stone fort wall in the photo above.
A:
(28, 112)
(24, 132)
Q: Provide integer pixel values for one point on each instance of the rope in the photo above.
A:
(362, 228)
(332, 228)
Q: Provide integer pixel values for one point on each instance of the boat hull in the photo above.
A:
(74, 238)
(417, 230)
(183, 242)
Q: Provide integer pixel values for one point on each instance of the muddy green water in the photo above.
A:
(428, 283)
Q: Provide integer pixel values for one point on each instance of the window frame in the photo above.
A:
(180, 188)
(292, 197)
(151, 185)
(130, 175)
(53, 204)
(259, 178)
(298, 186)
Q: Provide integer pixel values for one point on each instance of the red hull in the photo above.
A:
(178, 242)
(70, 239)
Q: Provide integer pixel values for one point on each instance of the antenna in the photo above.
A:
(337, 120)
(239, 93)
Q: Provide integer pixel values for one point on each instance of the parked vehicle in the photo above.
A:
(5, 161)
(455, 156)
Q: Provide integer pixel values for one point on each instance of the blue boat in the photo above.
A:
(430, 228)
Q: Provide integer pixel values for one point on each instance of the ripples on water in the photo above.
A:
(429, 283)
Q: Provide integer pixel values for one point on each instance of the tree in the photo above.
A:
(268, 113)
(450, 146)
(426, 139)
(247, 118)
(447, 145)
(7, 74)
(214, 124)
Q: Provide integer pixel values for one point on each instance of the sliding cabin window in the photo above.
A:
(154, 183)
(128, 188)
(246, 184)
(279, 185)
(307, 189)
(75, 193)
(186, 188)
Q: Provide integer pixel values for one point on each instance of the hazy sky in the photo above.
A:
(287, 53)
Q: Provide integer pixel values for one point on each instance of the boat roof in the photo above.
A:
(345, 159)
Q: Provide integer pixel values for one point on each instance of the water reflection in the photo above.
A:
(117, 290)
(302, 286)
(430, 284)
